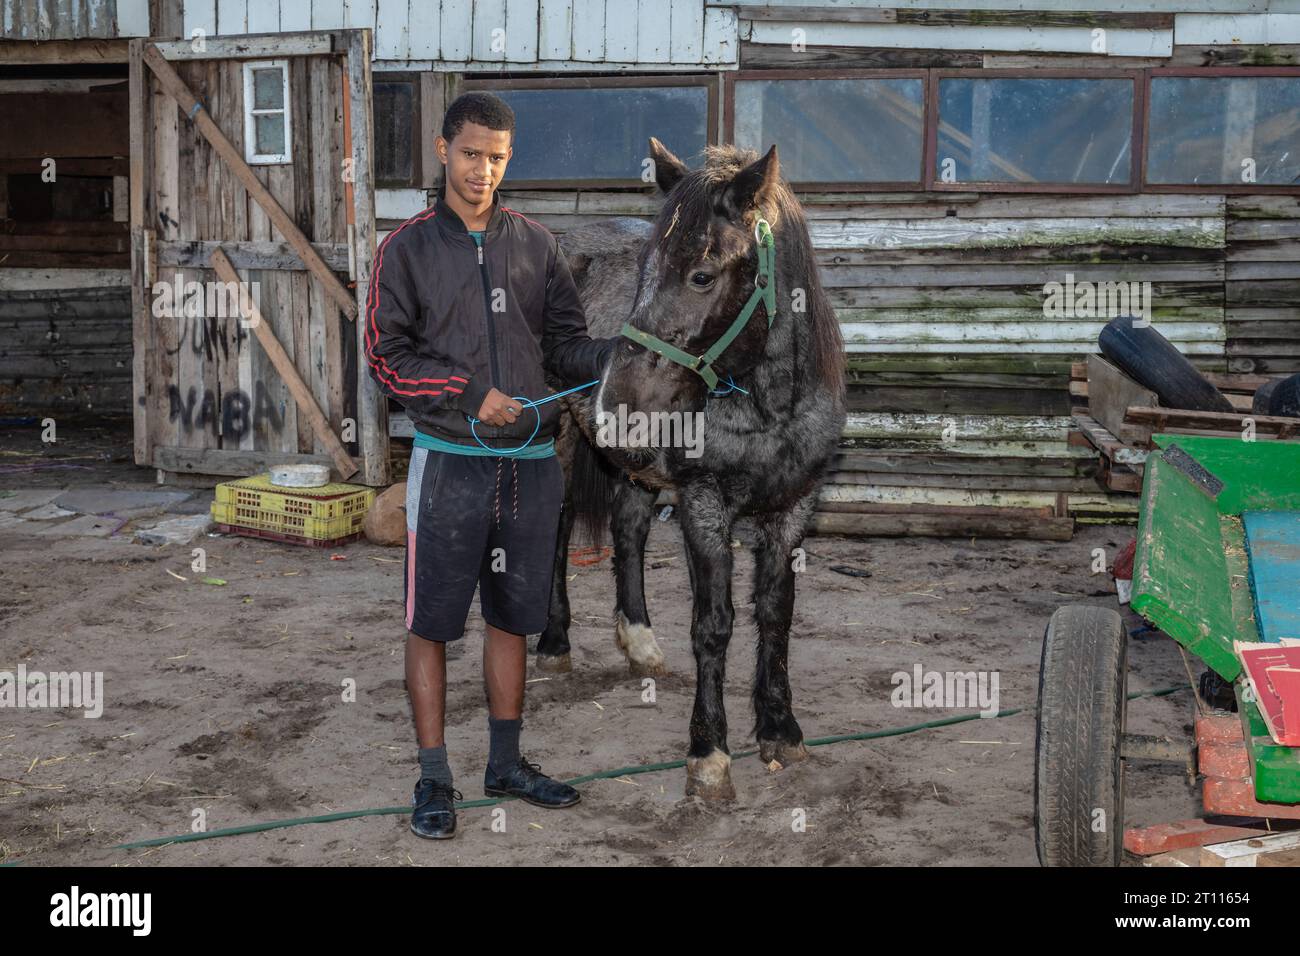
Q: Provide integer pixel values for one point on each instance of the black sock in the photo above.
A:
(433, 765)
(503, 746)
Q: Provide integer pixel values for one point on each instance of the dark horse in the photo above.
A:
(764, 452)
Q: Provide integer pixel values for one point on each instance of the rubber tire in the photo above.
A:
(1147, 357)
(1284, 399)
(1259, 404)
(1078, 768)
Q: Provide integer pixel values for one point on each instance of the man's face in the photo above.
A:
(475, 161)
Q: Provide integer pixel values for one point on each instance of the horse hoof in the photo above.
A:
(710, 777)
(554, 663)
(782, 752)
(638, 644)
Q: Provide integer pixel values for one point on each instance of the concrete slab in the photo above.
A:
(98, 501)
(24, 498)
(180, 530)
(89, 526)
(47, 513)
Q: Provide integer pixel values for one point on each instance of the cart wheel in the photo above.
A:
(1078, 773)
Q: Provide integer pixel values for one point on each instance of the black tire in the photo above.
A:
(1078, 769)
(1284, 399)
(1147, 357)
(1259, 404)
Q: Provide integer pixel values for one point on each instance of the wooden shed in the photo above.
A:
(967, 166)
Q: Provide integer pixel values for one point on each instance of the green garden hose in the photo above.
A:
(603, 775)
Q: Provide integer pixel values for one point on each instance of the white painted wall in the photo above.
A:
(485, 34)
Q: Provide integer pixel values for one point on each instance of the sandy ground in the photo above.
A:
(229, 700)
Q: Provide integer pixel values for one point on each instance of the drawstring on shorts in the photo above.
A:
(496, 501)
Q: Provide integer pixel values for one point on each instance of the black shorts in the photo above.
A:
(486, 521)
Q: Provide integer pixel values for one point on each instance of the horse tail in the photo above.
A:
(592, 481)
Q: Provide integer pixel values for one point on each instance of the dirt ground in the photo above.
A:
(230, 700)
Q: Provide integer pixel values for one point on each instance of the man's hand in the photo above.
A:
(499, 409)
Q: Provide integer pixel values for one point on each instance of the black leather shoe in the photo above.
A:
(527, 782)
(434, 816)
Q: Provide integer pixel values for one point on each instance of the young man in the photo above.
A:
(470, 305)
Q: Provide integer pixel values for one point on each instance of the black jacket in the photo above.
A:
(444, 324)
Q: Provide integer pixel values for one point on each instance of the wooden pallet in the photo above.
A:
(1122, 415)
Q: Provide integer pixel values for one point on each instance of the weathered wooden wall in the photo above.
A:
(210, 385)
(73, 19)
(65, 341)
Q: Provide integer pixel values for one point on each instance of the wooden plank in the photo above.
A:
(457, 30)
(251, 254)
(1009, 525)
(179, 92)
(424, 37)
(555, 30)
(64, 52)
(249, 47)
(1185, 834)
(1247, 852)
(722, 36)
(1121, 42)
(1167, 419)
(489, 30)
(218, 461)
(950, 232)
(521, 31)
(372, 408)
(1111, 392)
(232, 18)
(786, 57)
(1273, 546)
(284, 365)
(392, 30)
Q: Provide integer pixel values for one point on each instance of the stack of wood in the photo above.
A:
(1121, 415)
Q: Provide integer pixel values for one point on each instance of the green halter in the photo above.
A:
(764, 291)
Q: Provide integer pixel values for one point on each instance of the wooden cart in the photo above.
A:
(1218, 555)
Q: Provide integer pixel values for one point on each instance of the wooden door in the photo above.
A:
(250, 265)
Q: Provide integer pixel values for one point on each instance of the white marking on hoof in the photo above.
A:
(554, 663)
(781, 753)
(638, 644)
(710, 777)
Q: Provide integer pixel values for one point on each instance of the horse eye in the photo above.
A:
(702, 280)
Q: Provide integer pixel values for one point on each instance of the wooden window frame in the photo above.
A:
(855, 185)
(418, 178)
(251, 156)
(1210, 71)
(707, 80)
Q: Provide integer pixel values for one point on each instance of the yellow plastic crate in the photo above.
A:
(331, 511)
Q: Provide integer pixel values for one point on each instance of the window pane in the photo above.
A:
(1035, 130)
(394, 120)
(270, 134)
(864, 130)
(603, 134)
(268, 89)
(1224, 129)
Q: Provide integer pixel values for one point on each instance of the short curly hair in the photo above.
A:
(482, 108)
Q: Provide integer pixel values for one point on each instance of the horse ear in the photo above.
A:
(668, 168)
(753, 185)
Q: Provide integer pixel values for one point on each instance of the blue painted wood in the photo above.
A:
(1273, 546)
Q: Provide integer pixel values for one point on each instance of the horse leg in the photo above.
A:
(778, 733)
(633, 511)
(706, 526)
(553, 645)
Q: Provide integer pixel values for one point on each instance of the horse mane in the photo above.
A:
(698, 197)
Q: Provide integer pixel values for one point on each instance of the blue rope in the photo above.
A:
(731, 387)
(473, 422)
